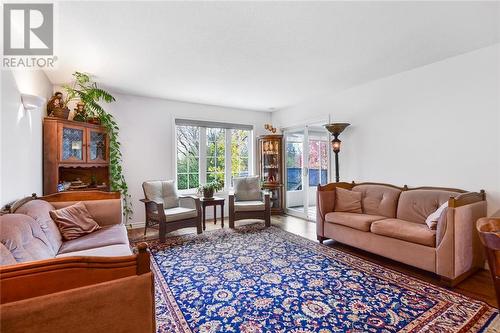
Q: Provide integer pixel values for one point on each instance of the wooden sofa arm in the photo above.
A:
(43, 277)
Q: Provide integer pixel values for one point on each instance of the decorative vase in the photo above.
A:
(208, 193)
(62, 113)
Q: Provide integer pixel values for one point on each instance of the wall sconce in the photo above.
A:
(32, 102)
(335, 129)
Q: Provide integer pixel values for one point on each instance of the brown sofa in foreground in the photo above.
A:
(90, 284)
(391, 223)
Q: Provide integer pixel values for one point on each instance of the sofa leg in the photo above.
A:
(321, 239)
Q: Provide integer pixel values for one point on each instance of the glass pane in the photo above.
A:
(294, 162)
(182, 181)
(97, 146)
(240, 146)
(194, 180)
(188, 157)
(72, 143)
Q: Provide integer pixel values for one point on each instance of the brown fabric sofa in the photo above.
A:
(392, 224)
(87, 284)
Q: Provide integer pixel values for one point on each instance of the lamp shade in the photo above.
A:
(336, 128)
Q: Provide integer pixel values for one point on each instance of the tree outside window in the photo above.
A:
(216, 138)
(240, 144)
(188, 157)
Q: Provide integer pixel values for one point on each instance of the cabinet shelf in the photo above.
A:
(271, 169)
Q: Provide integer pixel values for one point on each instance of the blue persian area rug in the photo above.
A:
(255, 279)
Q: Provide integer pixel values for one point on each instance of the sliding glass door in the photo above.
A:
(307, 165)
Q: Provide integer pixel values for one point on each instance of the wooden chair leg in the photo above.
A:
(163, 231)
(145, 227)
(199, 227)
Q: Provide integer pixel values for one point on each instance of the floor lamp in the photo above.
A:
(335, 129)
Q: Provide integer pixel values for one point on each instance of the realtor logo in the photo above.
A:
(28, 29)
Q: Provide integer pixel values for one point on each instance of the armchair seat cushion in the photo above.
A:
(353, 220)
(116, 250)
(179, 213)
(112, 235)
(249, 206)
(418, 233)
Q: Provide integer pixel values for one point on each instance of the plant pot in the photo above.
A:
(94, 120)
(208, 193)
(62, 113)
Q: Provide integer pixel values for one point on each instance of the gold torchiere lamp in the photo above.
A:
(335, 129)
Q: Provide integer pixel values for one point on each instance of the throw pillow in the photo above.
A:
(432, 219)
(74, 221)
(347, 201)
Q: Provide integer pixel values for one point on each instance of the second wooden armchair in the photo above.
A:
(169, 210)
(248, 201)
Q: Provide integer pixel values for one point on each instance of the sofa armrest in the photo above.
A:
(61, 274)
(325, 203)
(460, 250)
(74, 309)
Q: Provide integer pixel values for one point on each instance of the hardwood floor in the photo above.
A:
(478, 286)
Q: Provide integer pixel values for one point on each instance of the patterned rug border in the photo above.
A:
(484, 317)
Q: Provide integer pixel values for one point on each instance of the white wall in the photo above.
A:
(435, 125)
(21, 134)
(147, 137)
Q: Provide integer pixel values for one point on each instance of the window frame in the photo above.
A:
(203, 152)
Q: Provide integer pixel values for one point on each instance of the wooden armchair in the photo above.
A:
(489, 233)
(248, 201)
(169, 210)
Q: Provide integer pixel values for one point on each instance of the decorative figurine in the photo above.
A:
(56, 107)
(79, 114)
(270, 128)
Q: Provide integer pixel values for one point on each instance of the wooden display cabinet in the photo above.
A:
(271, 169)
(74, 150)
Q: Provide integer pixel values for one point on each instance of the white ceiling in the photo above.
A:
(260, 55)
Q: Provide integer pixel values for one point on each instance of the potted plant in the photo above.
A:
(89, 109)
(209, 189)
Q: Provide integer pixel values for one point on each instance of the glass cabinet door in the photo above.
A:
(270, 172)
(72, 144)
(98, 146)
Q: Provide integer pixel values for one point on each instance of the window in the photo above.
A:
(188, 157)
(208, 151)
(240, 144)
(216, 139)
(318, 162)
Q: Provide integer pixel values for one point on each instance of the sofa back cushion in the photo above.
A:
(416, 205)
(379, 199)
(23, 237)
(39, 210)
(104, 212)
(162, 191)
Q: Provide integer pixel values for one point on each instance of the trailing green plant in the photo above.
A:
(87, 91)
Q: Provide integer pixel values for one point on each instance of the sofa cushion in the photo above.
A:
(378, 199)
(347, 201)
(416, 205)
(408, 231)
(39, 210)
(116, 250)
(249, 206)
(111, 235)
(162, 191)
(74, 221)
(180, 213)
(6, 258)
(354, 220)
(247, 188)
(23, 237)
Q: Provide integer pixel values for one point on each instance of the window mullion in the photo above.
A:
(203, 155)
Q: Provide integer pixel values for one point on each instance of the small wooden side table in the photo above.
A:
(215, 201)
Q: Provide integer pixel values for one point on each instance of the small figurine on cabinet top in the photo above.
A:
(56, 107)
(79, 114)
